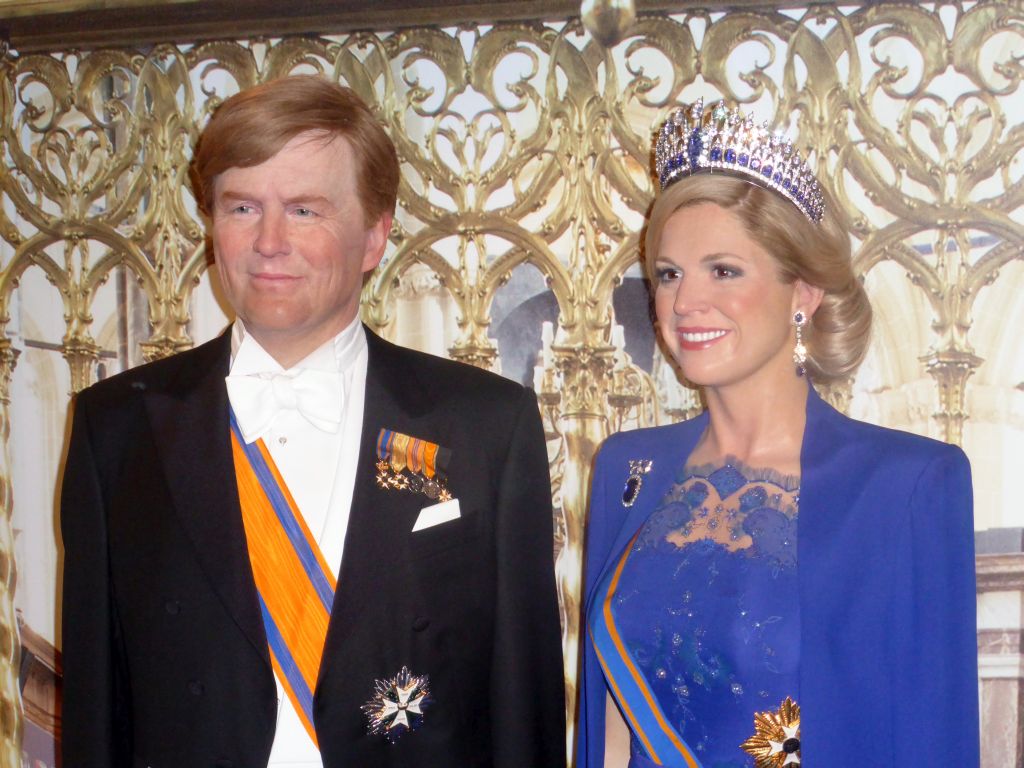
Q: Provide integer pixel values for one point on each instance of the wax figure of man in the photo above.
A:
(299, 544)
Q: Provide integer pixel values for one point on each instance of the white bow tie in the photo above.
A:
(257, 399)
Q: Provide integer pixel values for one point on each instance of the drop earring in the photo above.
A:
(800, 350)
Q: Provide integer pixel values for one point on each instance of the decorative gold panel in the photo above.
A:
(527, 145)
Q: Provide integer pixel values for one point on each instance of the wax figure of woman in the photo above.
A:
(772, 583)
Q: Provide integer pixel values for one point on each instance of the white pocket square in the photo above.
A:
(437, 514)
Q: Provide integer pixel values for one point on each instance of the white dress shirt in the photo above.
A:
(319, 468)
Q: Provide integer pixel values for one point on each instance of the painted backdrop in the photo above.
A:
(526, 174)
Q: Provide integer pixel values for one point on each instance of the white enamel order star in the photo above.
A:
(788, 732)
(406, 703)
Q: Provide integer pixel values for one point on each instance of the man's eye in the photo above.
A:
(304, 212)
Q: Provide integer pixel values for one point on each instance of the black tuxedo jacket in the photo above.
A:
(165, 658)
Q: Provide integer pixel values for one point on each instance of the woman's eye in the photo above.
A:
(724, 272)
(666, 274)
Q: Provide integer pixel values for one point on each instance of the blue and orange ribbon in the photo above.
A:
(403, 452)
(652, 728)
(295, 585)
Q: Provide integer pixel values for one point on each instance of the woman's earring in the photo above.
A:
(800, 351)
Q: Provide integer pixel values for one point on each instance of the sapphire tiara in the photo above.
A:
(694, 141)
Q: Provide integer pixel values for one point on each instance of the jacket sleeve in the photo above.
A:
(527, 679)
(935, 693)
(95, 726)
(590, 716)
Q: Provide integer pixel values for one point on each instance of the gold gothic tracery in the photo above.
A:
(528, 144)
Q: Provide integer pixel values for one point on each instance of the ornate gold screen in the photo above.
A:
(526, 147)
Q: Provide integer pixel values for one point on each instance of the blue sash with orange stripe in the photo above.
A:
(295, 585)
(649, 724)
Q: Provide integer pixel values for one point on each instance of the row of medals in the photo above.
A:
(401, 480)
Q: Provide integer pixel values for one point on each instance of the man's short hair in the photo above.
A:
(254, 125)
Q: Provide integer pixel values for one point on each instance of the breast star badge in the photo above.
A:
(776, 739)
(397, 704)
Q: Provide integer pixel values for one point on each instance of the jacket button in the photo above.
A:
(420, 623)
(173, 607)
(196, 688)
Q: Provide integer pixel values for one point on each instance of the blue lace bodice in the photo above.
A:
(707, 605)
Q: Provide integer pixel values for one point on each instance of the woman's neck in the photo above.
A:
(761, 425)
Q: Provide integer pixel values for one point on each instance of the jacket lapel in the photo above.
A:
(824, 481)
(394, 399)
(189, 417)
(829, 483)
(665, 451)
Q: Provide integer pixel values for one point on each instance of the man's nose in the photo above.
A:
(272, 234)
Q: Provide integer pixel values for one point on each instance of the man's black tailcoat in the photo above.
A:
(165, 658)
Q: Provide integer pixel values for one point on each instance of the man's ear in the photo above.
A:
(376, 242)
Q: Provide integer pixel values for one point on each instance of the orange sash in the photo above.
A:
(295, 585)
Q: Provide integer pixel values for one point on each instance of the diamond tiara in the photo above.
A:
(694, 141)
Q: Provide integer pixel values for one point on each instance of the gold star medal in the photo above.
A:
(776, 739)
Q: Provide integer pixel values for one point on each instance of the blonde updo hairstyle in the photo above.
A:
(819, 254)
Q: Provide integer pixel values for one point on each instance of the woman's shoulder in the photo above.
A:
(647, 440)
(892, 444)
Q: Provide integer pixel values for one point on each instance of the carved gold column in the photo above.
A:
(584, 375)
(171, 256)
(474, 297)
(81, 353)
(10, 645)
(475, 351)
(953, 361)
(474, 346)
(627, 388)
(951, 368)
(79, 348)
